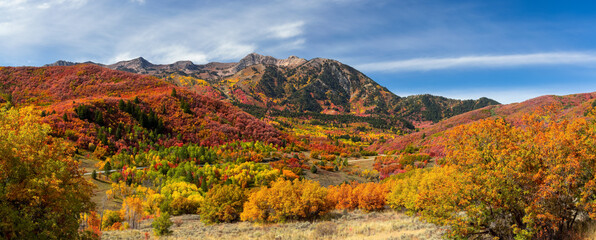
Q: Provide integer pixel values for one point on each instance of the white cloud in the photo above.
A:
(487, 61)
(123, 56)
(288, 30)
(12, 3)
(173, 53)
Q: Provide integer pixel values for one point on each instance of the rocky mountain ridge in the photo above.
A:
(296, 84)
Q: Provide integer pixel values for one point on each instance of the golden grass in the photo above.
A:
(340, 225)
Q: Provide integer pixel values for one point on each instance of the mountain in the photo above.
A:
(61, 63)
(427, 107)
(318, 85)
(98, 107)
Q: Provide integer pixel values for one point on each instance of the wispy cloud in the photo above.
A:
(104, 31)
(486, 61)
(287, 30)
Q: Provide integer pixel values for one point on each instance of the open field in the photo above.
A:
(339, 225)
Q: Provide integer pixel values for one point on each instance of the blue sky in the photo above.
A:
(506, 50)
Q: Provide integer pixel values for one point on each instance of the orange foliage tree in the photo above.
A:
(365, 196)
(532, 179)
(287, 200)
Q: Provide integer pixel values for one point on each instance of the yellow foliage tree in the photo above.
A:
(42, 190)
(222, 203)
(132, 210)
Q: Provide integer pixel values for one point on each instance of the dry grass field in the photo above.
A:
(339, 225)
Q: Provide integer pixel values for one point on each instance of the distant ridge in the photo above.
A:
(60, 63)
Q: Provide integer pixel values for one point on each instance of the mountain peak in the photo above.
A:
(141, 60)
(183, 65)
(137, 65)
(255, 59)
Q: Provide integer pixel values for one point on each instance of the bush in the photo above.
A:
(161, 225)
(325, 229)
(109, 218)
(315, 154)
(182, 205)
(365, 196)
(313, 169)
(287, 200)
(115, 177)
(223, 203)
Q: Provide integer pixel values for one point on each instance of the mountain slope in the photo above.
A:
(96, 106)
(434, 108)
(318, 85)
(568, 106)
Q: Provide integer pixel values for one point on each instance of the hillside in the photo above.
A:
(113, 110)
(318, 85)
(568, 106)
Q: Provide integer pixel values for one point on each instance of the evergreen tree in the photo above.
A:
(107, 168)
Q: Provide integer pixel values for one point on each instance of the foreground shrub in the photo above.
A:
(161, 225)
(182, 205)
(179, 198)
(325, 229)
(223, 203)
(287, 200)
(342, 196)
(365, 196)
(110, 218)
(371, 196)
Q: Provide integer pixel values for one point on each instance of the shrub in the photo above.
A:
(325, 229)
(313, 169)
(161, 225)
(182, 205)
(109, 218)
(371, 196)
(178, 222)
(315, 154)
(115, 176)
(223, 203)
(287, 200)
(342, 196)
(365, 196)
